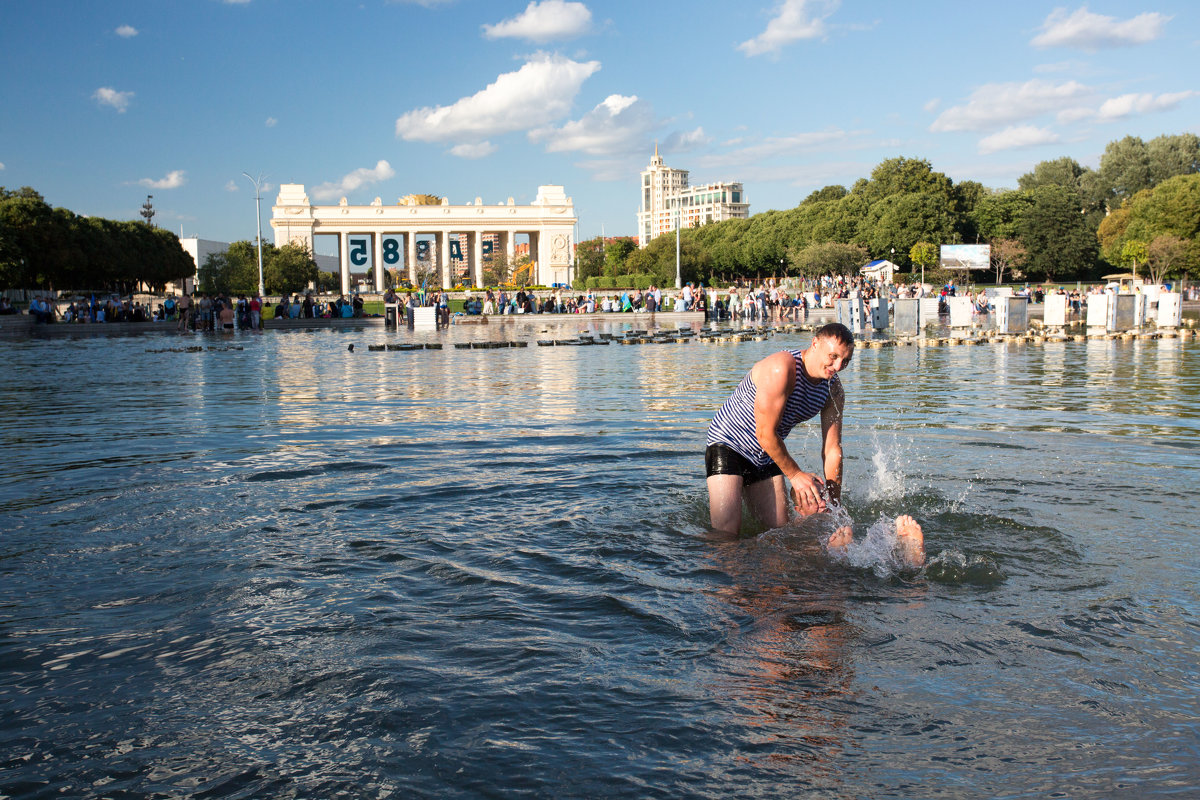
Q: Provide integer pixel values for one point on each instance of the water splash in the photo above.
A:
(877, 550)
(888, 478)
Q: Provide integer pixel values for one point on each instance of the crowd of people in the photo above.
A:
(766, 301)
(312, 308)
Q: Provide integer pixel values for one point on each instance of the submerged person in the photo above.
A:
(746, 455)
(910, 540)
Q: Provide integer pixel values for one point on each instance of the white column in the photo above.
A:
(535, 254)
(443, 239)
(477, 258)
(410, 256)
(378, 260)
(344, 258)
(510, 249)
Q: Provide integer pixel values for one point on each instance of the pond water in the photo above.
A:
(292, 570)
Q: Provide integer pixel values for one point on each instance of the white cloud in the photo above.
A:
(683, 141)
(998, 104)
(1129, 104)
(127, 31)
(475, 150)
(1091, 32)
(2, 165)
(363, 176)
(1075, 67)
(539, 92)
(173, 180)
(231, 186)
(544, 22)
(805, 176)
(620, 124)
(271, 122)
(777, 146)
(236, 2)
(1074, 114)
(794, 20)
(931, 105)
(1016, 136)
(108, 96)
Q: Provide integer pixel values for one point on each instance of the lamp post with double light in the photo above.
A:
(258, 219)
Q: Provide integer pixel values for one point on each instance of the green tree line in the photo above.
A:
(54, 248)
(1063, 221)
(290, 268)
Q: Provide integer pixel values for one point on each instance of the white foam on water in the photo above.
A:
(876, 550)
(887, 479)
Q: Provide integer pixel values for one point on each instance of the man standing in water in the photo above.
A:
(747, 457)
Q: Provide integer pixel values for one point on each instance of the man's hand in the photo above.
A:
(808, 492)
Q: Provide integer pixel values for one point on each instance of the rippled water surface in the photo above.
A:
(292, 570)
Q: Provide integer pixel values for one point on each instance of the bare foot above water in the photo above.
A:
(840, 538)
(910, 539)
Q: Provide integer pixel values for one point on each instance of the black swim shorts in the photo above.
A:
(721, 459)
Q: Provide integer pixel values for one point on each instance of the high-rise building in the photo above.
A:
(668, 201)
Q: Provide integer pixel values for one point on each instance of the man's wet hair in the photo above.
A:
(835, 330)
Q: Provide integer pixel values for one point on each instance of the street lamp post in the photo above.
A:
(678, 225)
(258, 218)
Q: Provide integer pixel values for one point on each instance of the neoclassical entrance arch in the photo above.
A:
(379, 237)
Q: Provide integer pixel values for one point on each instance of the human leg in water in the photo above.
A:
(910, 540)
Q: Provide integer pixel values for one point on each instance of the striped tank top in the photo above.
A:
(733, 424)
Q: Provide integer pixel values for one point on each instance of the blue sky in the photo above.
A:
(106, 102)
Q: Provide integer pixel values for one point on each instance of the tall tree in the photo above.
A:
(1163, 254)
(832, 192)
(901, 220)
(1173, 155)
(904, 176)
(1064, 172)
(1008, 255)
(1056, 236)
(589, 259)
(1134, 252)
(998, 216)
(1125, 168)
(616, 252)
(288, 269)
(828, 258)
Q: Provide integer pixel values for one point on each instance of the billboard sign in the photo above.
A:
(966, 256)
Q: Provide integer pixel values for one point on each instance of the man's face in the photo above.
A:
(830, 356)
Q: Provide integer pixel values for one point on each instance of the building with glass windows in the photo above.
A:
(669, 202)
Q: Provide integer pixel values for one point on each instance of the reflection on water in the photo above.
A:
(296, 570)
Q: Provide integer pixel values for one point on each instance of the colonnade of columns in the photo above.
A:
(353, 252)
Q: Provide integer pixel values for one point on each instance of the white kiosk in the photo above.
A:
(850, 313)
(1098, 308)
(960, 312)
(908, 316)
(1054, 312)
(1012, 314)
(1170, 310)
(879, 313)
